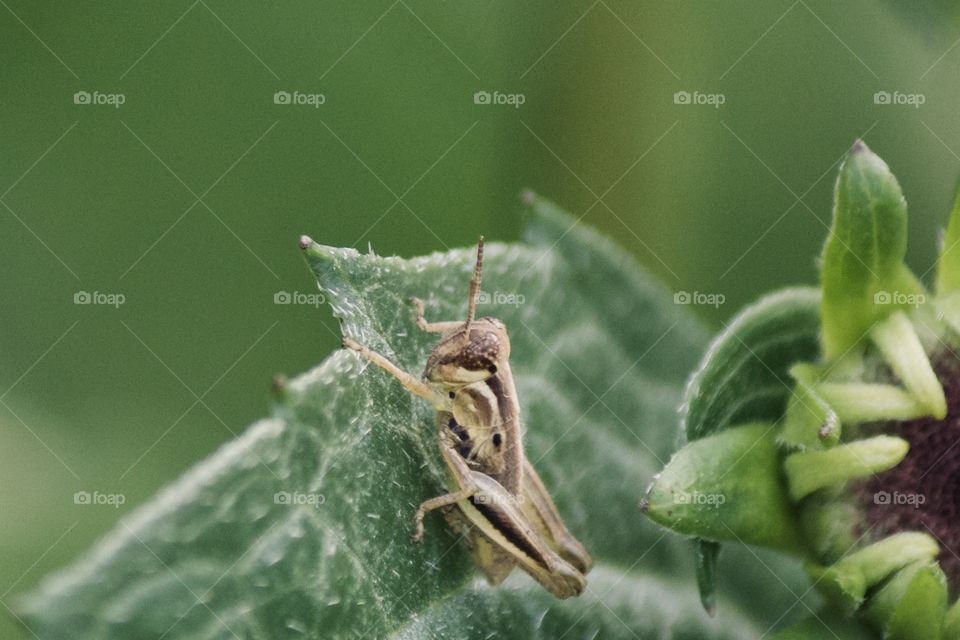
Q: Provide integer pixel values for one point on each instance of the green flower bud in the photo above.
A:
(844, 452)
(727, 486)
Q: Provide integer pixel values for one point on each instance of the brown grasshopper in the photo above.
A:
(501, 504)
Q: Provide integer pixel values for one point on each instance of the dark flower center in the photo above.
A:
(922, 493)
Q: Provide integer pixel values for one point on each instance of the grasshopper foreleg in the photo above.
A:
(433, 327)
(413, 384)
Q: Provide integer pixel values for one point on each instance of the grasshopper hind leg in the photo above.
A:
(438, 502)
(494, 562)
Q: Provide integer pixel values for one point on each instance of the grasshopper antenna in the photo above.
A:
(474, 287)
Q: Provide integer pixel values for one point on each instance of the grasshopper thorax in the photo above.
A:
(469, 354)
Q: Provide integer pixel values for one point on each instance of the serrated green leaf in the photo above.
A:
(864, 277)
(300, 528)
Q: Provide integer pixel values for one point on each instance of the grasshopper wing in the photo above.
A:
(495, 513)
(541, 512)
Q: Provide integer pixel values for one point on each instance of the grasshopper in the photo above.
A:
(497, 499)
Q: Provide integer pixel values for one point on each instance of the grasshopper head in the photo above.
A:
(475, 351)
(469, 354)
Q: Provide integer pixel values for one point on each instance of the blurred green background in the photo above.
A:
(188, 198)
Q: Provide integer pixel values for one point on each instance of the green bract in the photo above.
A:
(791, 433)
(863, 256)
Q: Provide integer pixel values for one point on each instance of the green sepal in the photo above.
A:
(727, 487)
(845, 582)
(951, 622)
(744, 374)
(808, 471)
(948, 309)
(705, 555)
(810, 422)
(897, 340)
(856, 402)
(831, 524)
(912, 604)
(948, 265)
(863, 276)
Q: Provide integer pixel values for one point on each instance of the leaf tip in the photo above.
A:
(710, 606)
(527, 196)
(862, 156)
(305, 241)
